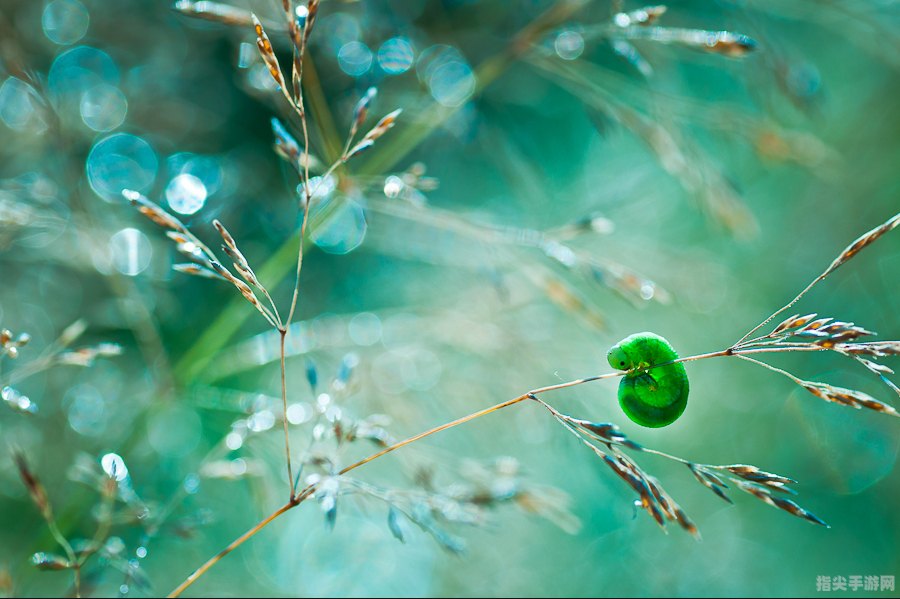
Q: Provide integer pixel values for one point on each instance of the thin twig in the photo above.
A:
(287, 437)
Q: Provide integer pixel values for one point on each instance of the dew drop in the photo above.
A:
(114, 466)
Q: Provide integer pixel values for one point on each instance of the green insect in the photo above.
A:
(655, 397)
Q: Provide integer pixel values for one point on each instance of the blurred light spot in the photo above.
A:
(206, 168)
(234, 440)
(447, 74)
(65, 21)
(602, 225)
(333, 414)
(114, 466)
(432, 57)
(77, 70)
(259, 78)
(396, 56)
(648, 290)
(17, 401)
(86, 410)
(365, 329)
(344, 230)
(261, 421)
(141, 552)
(399, 370)
(130, 251)
(247, 55)
(804, 80)
(423, 370)
(393, 185)
(174, 431)
(338, 29)
(569, 45)
(118, 162)
(386, 372)
(103, 107)
(622, 20)
(17, 107)
(186, 194)
(355, 58)
(561, 253)
(298, 413)
(114, 546)
(452, 83)
(191, 484)
(320, 188)
(238, 467)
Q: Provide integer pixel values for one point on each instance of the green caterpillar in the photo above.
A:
(655, 397)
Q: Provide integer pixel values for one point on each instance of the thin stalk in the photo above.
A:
(437, 429)
(773, 369)
(783, 308)
(67, 547)
(297, 71)
(308, 195)
(287, 437)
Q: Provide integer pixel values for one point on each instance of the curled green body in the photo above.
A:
(654, 397)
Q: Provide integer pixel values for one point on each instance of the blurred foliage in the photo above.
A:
(551, 186)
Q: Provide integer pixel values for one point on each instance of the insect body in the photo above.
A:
(649, 396)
